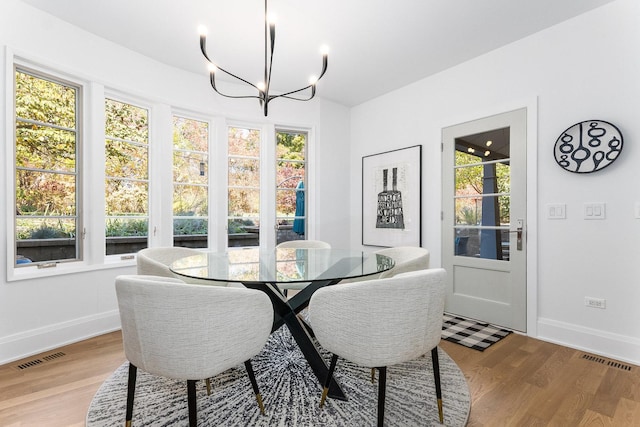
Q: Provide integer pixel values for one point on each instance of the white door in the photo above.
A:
(484, 219)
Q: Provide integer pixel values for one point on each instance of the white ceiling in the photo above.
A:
(376, 46)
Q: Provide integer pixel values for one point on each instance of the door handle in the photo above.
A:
(519, 229)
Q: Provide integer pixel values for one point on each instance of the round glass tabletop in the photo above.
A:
(281, 265)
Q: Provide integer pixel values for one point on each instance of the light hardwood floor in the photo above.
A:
(518, 382)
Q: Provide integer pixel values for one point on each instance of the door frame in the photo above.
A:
(531, 105)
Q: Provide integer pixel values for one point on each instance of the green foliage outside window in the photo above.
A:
(469, 183)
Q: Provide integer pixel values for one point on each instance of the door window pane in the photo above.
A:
(47, 180)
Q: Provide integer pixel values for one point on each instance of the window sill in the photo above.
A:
(33, 272)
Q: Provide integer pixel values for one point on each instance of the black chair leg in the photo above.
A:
(254, 384)
(436, 376)
(382, 388)
(191, 402)
(131, 391)
(327, 381)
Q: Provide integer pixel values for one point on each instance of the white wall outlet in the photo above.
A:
(556, 211)
(595, 302)
(594, 210)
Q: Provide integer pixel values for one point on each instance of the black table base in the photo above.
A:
(286, 311)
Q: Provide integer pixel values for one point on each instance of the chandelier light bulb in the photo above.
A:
(202, 30)
(261, 86)
(324, 50)
(313, 80)
(212, 68)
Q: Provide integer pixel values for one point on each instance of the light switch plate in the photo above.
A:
(556, 211)
(594, 210)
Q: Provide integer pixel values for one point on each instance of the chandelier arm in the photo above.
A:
(272, 34)
(213, 85)
(325, 63)
(203, 49)
(287, 94)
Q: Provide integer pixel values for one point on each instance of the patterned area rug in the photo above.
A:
(472, 334)
(291, 394)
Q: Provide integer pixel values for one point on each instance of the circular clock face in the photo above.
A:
(588, 146)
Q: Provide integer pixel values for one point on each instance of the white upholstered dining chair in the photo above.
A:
(189, 332)
(156, 262)
(300, 244)
(380, 323)
(406, 258)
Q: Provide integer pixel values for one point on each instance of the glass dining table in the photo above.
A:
(269, 271)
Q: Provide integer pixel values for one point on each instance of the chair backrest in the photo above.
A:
(156, 261)
(304, 244)
(381, 322)
(190, 332)
(407, 258)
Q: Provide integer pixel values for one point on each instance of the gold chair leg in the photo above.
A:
(325, 391)
(208, 381)
(127, 423)
(327, 381)
(440, 413)
(260, 404)
(373, 375)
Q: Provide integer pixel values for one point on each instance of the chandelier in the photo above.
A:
(263, 87)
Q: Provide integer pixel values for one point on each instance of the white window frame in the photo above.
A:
(152, 228)
(268, 159)
(15, 61)
(294, 130)
(213, 167)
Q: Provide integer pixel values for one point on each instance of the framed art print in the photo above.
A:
(392, 198)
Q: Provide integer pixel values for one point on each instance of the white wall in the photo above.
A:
(44, 313)
(585, 68)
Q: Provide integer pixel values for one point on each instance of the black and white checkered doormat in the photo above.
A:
(472, 334)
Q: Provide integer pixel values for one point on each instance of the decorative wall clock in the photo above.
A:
(588, 146)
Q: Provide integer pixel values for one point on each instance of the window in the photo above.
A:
(47, 184)
(127, 177)
(244, 187)
(190, 178)
(290, 185)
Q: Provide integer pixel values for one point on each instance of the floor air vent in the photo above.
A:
(53, 356)
(36, 362)
(29, 364)
(610, 363)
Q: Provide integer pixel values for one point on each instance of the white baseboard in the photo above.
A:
(613, 346)
(40, 340)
